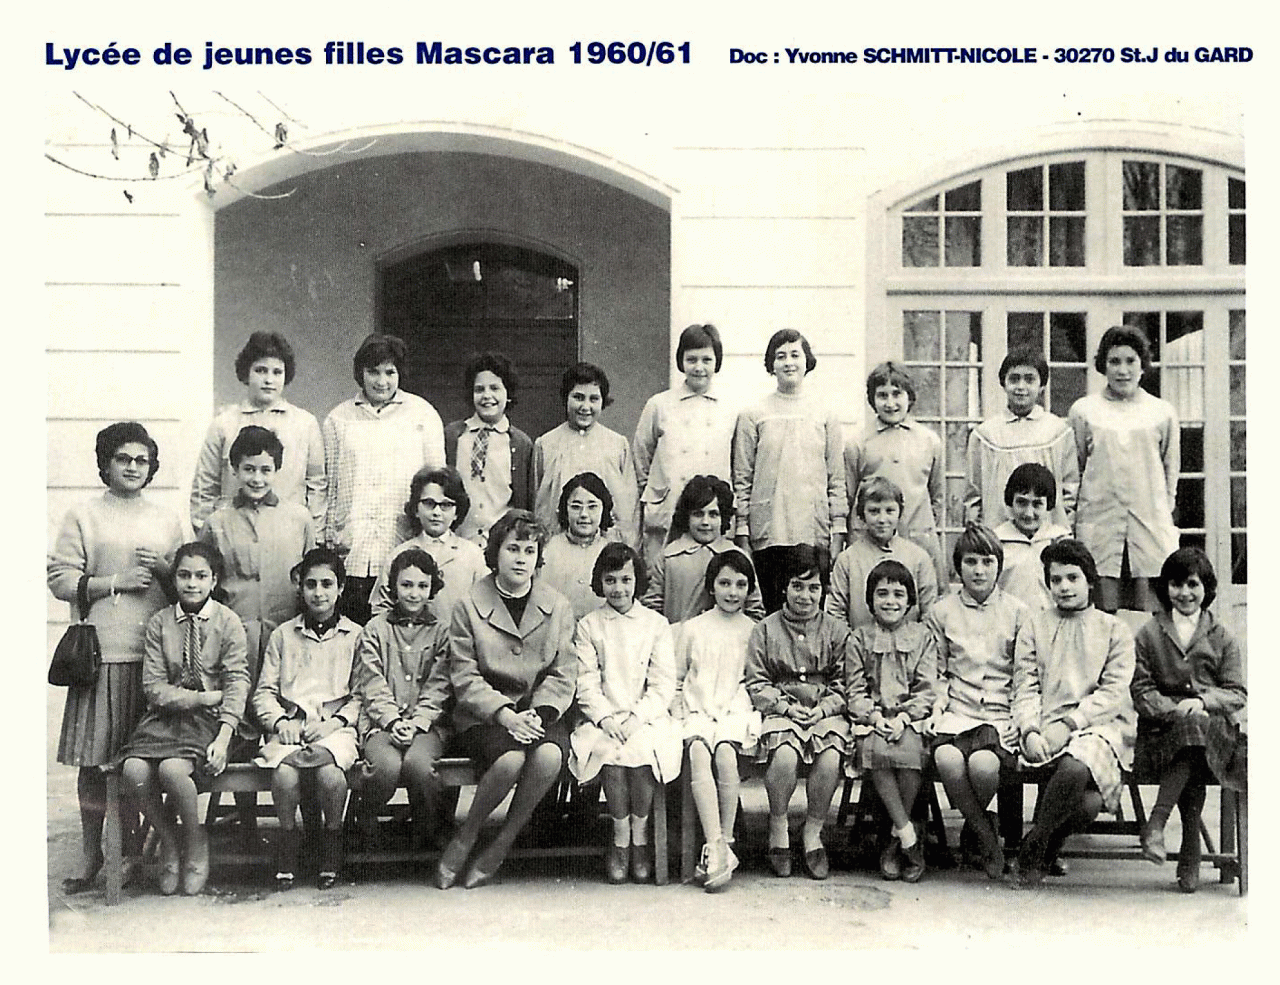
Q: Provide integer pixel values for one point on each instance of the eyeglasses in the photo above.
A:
(444, 505)
(124, 461)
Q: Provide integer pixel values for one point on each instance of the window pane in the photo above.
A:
(957, 442)
(1147, 322)
(921, 335)
(1192, 445)
(1239, 502)
(929, 204)
(964, 336)
(964, 241)
(1066, 386)
(1236, 316)
(1024, 190)
(1237, 446)
(957, 402)
(1235, 239)
(1237, 390)
(1239, 559)
(1186, 329)
(1235, 193)
(1066, 241)
(1025, 241)
(1066, 187)
(928, 401)
(1026, 328)
(966, 198)
(954, 506)
(1192, 540)
(1184, 388)
(1190, 513)
(1141, 186)
(1185, 240)
(1067, 337)
(919, 242)
(1142, 241)
(1182, 187)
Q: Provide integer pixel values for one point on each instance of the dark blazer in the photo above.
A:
(521, 461)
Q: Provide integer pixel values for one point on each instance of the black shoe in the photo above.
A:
(641, 863)
(1020, 877)
(288, 843)
(890, 860)
(1153, 849)
(913, 861)
(331, 857)
(780, 862)
(816, 863)
(616, 862)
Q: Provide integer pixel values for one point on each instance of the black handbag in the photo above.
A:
(78, 654)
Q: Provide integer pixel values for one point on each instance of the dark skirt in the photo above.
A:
(875, 752)
(1159, 742)
(982, 738)
(172, 735)
(99, 718)
(486, 742)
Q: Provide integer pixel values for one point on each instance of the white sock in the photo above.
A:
(779, 837)
(639, 829)
(906, 835)
(621, 832)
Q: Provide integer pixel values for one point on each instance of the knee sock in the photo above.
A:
(1171, 786)
(812, 833)
(639, 829)
(621, 832)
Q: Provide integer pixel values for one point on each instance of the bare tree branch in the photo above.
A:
(113, 177)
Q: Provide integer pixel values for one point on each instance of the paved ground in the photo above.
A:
(562, 905)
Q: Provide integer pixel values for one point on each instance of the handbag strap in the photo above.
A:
(82, 597)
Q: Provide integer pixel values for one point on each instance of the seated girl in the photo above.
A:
(719, 723)
(699, 532)
(195, 676)
(1188, 687)
(513, 671)
(1072, 666)
(307, 711)
(626, 680)
(890, 678)
(401, 676)
(586, 519)
(795, 676)
(975, 628)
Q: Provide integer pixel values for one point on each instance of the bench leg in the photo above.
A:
(1009, 806)
(661, 874)
(1242, 829)
(112, 849)
(688, 826)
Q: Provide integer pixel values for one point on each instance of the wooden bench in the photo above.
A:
(247, 778)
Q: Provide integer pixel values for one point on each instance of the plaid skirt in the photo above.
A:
(1159, 742)
(98, 719)
(831, 732)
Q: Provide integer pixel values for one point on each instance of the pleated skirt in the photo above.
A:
(98, 719)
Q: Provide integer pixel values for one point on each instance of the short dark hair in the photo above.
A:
(448, 480)
(978, 539)
(733, 558)
(894, 571)
(1025, 355)
(1134, 338)
(582, 373)
(1180, 565)
(375, 350)
(1034, 478)
(113, 436)
(210, 552)
(614, 557)
(515, 523)
(593, 484)
(500, 366)
(1069, 551)
(319, 557)
(801, 560)
(700, 337)
(877, 489)
(697, 493)
(414, 557)
(890, 373)
(782, 337)
(264, 345)
(254, 440)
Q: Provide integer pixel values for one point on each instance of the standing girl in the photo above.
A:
(307, 711)
(585, 514)
(1188, 686)
(195, 675)
(626, 680)
(788, 468)
(401, 677)
(719, 722)
(682, 432)
(677, 582)
(112, 554)
(795, 676)
(890, 678)
(513, 671)
(494, 457)
(1127, 442)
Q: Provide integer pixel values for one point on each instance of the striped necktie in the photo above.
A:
(480, 452)
(191, 655)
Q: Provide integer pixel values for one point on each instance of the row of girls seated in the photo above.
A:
(497, 684)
